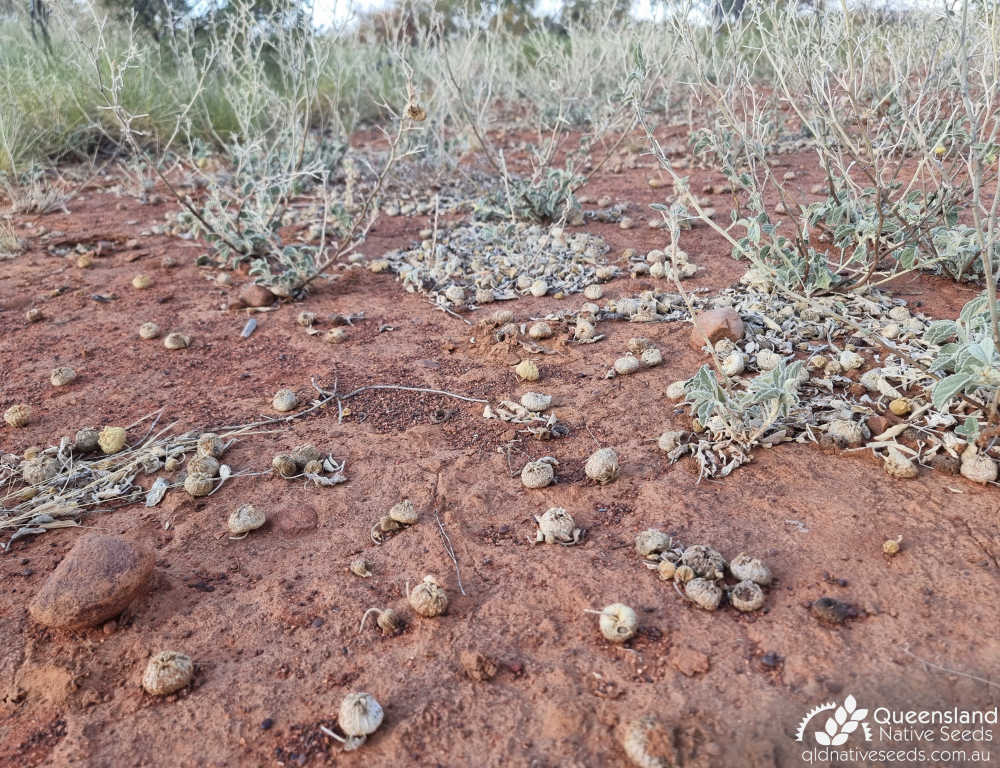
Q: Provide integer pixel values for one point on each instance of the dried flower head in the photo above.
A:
(111, 439)
(142, 282)
(415, 112)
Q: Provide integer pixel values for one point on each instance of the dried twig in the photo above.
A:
(450, 550)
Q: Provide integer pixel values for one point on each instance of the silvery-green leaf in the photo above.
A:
(155, 494)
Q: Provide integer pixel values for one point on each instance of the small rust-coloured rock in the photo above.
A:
(716, 324)
(688, 661)
(254, 295)
(477, 666)
(294, 519)
(833, 611)
(95, 582)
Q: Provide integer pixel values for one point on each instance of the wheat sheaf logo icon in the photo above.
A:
(839, 726)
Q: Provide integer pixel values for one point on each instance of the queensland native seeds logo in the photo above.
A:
(839, 726)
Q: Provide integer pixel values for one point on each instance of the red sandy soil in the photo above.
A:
(272, 621)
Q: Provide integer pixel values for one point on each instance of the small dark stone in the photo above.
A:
(949, 465)
(833, 611)
(266, 724)
(771, 659)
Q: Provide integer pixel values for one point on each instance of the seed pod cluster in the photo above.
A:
(62, 376)
(700, 572)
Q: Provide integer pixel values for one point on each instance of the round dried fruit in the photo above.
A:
(626, 365)
(536, 401)
(360, 716)
(428, 598)
(142, 282)
(305, 319)
(683, 574)
(647, 743)
(284, 400)
(602, 466)
(111, 440)
(176, 341)
(669, 440)
(38, 470)
(244, 519)
(204, 465)
(285, 465)
(62, 376)
(891, 546)
(87, 440)
(898, 465)
(404, 513)
(167, 672)
(197, 484)
(556, 526)
(538, 474)
(652, 542)
(17, 415)
(149, 330)
(747, 596)
(666, 569)
(676, 390)
(455, 294)
(744, 567)
(593, 292)
(539, 288)
(210, 444)
(618, 622)
(335, 336)
(651, 357)
(527, 370)
(540, 330)
(705, 593)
